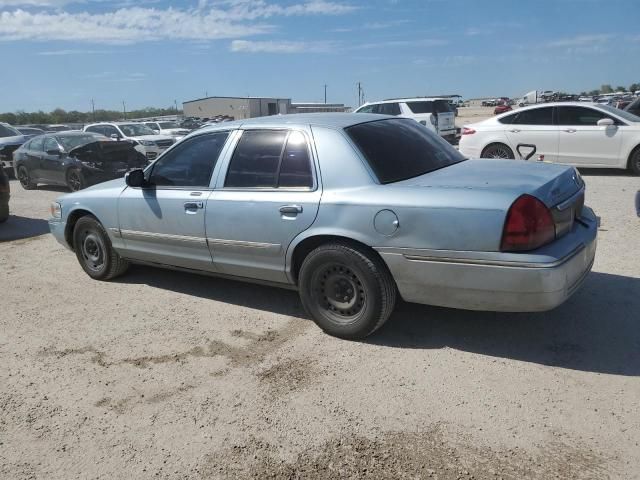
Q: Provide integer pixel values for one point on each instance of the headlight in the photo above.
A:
(146, 143)
(91, 164)
(56, 210)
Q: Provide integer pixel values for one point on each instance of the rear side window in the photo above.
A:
(535, 116)
(420, 107)
(398, 149)
(366, 109)
(389, 109)
(441, 106)
(262, 160)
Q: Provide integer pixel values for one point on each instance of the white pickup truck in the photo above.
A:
(434, 113)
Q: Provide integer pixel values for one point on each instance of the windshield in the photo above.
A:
(164, 125)
(399, 149)
(8, 131)
(628, 116)
(135, 130)
(70, 142)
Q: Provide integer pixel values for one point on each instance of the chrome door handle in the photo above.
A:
(193, 205)
(515, 131)
(290, 209)
(570, 130)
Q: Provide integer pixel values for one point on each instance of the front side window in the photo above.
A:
(37, 144)
(579, 116)
(535, 116)
(50, 145)
(398, 149)
(389, 109)
(270, 159)
(191, 163)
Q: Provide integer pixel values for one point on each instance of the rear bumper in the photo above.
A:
(495, 285)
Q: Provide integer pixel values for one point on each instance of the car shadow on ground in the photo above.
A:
(604, 172)
(597, 330)
(18, 228)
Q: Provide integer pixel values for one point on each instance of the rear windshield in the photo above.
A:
(429, 106)
(398, 149)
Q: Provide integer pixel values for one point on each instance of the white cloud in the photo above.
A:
(582, 41)
(72, 52)
(248, 46)
(429, 42)
(230, 19)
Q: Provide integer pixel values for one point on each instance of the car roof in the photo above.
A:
(331, 120)
(407, 99)
(68, 133)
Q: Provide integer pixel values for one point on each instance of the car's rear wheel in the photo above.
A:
(25, 178)
(498, 150)
(94, 251)
(347, 291)
(75, 180)
(634, 162)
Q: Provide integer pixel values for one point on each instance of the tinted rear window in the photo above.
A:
(399, 149)
(535, 116)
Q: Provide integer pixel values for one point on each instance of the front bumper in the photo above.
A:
(505, 285)
(57, 227)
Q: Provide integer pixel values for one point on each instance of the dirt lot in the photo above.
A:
(170, 375)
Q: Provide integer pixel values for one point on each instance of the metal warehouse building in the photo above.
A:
(249, 107)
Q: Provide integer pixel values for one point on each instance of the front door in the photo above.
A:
(534, 127)
(269, 194)
(51, 163)
(165, 221)
(583, 142)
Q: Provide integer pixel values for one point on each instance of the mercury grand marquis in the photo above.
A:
(351, 210)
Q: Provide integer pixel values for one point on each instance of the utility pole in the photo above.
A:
(325, 93)
(175, 102)
(359, 94)
(93, 110)
(124, 110)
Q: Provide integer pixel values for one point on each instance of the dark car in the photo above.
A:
(634, 107)
(10, 140)
(30, 132)
(191, 123)
(5, 192)
(74, 159)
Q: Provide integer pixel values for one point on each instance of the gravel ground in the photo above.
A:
(169, 375)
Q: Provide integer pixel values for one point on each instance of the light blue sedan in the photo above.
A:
(351, 210)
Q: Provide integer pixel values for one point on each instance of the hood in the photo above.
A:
(551, 183)
(153, 138)
(15, 140)
(175, 131)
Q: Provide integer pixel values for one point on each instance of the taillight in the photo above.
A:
(529, 225)
(468, 131)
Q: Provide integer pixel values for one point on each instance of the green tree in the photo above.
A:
(621, 89)
(606, 89)
(634, 87)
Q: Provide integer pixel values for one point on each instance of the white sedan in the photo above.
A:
(574, 133)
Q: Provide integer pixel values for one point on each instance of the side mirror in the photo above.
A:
(135, 178)
(605, 122)
(115, 136)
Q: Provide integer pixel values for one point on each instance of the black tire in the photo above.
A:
(75, 180)
(10, 173)
(363, 292)
(25, 178)
(94, 251)
(4, 213)
(497, 150)
(634, 162)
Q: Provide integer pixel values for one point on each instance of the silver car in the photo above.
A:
(351, 210)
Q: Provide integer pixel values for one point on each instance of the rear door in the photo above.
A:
(583, 142)
(33, 156)
(265, 196)
(534, 127)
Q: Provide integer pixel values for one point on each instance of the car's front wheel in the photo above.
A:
(25, 178)
(348, 291)
(634, 162)
(94, 251)
(498, 150)
(75, 180)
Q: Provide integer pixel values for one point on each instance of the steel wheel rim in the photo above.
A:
(93, 250)
(74, 181)
(339, 293)
(23, 176)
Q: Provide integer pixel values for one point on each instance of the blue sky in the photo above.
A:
(62, 53)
